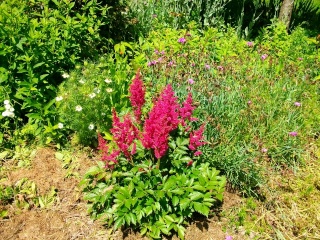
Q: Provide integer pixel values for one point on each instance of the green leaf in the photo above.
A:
(169, 218)
(93, 171)
(119, 222)
(38, 65)
(178, 191)
(175, 201)
(143, 230)
(195, 196)
(199, 187)
(59, 156)
(184, 203)
(180, 231)
(201, 208)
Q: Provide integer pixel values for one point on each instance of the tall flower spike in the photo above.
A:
(196, 138)
(163, 118)
(124, 133)
(137, 93)
(186, 110)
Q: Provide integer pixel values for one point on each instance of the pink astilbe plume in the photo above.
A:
(186, 110)
(162, 119)
(109, 158)
(137, 93)
(124, 133)
(196, 138)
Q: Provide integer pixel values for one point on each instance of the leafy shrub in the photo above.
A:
(156, 178)
(41, 39)
(85, 99)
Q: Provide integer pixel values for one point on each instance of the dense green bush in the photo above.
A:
(101, 86)
(42, 39)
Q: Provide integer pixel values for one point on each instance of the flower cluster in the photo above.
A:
(9, 112)
(137, 92)
(124, 133)
(165, 116)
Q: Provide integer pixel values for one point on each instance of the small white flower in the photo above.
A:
(81, 81)
(78, 108)
(109, 90)
(60, 125)
(59, 98)
(65, 75)
(96, 90)
(108, 80)
(91, 126)
(11, 109)
(11, 114)
(7, 114)
(103, 114)
(92, 95)
(7, 107)
(6, 102)
(4, 114)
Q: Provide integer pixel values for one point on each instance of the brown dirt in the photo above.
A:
(68, 218)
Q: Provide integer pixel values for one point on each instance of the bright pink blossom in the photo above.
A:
(186, 110)
(109, 158)
(162, 119)
(196, 138)
(124, 133)
(137, 93)
(197, 153)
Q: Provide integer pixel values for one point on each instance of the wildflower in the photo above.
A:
(293, 134)
(264, 150)
(250, 44)
(228, 238)
(108, 81)
(207, 66)
(81, 81)
(65, 75)
(109, 90)
(220, 68)
(196, 138)
(191, 81)
(193, 64)
(96, 90)
(153, 62)
(156, 51)
(162, 119)
(6, 102)
(197, 153)
(7, 114)
(187, 109)
(137, 93)
(300, 58)
(264, 56)
(124, 133)
(91, 126)
(110, 158)
(163, 52)
(59, 98)
(92, 95)
(78, 108)
(189, 163)
(249, 102)
(171, 63)
(154, 15)
(7, 107)
(182, 40)
(297, 104)
(60, 125)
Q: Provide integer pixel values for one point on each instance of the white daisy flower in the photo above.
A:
(109, 90)
(7, 107)
(11, 109)
(59, 98)
(6, 102)
(60, 125)
(78, 108)
(92, 95)
(91, 126)
(108, 80)
(65, 75)
(81, 81)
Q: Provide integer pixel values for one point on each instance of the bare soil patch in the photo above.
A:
(68, 218)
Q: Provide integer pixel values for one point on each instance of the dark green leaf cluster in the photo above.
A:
(149, 198)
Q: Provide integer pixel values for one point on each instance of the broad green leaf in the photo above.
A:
(119, 222)
(175, 200)
(195, 196)
(201, 208)
(59, 156)
(180, 231)
(169, 218)
(184, 203)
